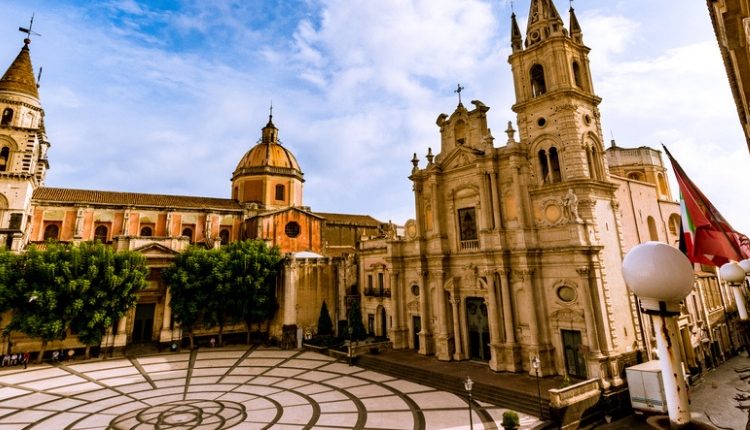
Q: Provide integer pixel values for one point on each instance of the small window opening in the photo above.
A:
(51, 232)
(7, 116)
(538, 86)
(146, 231)
(224, 236)
(4, 155)
(188, 232)
(544, 166)
(100, 233)
(467, 223)
(279, 192)
(577, 74)
(554, 162)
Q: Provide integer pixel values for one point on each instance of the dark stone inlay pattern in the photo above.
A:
(183, 414)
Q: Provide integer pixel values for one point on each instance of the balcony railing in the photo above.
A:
(469, 244)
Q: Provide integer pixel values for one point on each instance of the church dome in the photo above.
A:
(268, 156)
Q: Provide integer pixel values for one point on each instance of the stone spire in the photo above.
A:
(515, 34)
(20, 75)
(575, 27)
(270, 132)
(544, 22)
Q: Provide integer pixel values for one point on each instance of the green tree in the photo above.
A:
(9, 273)
(190, 278)
(49, 292)
(325, 325)
(112, 282)
(355, 327)
(216, 311)
(251, 274)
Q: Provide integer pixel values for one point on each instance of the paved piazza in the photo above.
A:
(212, 389)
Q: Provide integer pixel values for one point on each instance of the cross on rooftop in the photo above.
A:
(458, 90)
(29, 31)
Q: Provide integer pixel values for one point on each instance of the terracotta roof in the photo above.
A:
(20, 75)
(363, 220)
(67, 195)
(284, 209)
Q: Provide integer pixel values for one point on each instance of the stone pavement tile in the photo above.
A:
(259, 404)
(296, 414)
(151, 393)
(388, 403)
(291, 383)
(338, 419)
(261, 361)
(99, 365)
(249, 426)
(237, 397)
(215, 363)
(341, 368)
(164, 367)
(27, 416)
(260, 390)
(287, 427)
(312, 388)
(220, 354)
(34, 375)
(438, 400)
(167, 383)
(126, 407)
(8, 392)
(123, 380)
(204, 395)
(264, 416)
(45, 384)
(58, 421)
(204, 380)
(164, 358)
(315, 356)
(338, 406)
(28, 400)
(304, 364)
(210, 371)
(329, 396)
(374, 376)
(265, 380)
(408, 387)
(390, 420)
(113, 372)
(316, 375)
(168, 374)
(346, 381)
(158, 400)
(450, 419)
(96, 394)
(284, 373)
(102, 405)
(99, 421)
(61, 405)
(369, 390)
(12, 426)
(235, 379)
(248, 370)
(75, 389)
(276, 353)
(288, 398)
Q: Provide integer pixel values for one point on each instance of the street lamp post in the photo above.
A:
(734, 275)
(662, 277)
(468, 383)
(351, 334)
(535, 364)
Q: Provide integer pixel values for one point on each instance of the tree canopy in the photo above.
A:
(229, 284)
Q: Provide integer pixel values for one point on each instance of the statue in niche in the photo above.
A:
(570, 206)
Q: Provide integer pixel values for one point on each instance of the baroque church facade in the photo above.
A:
(514, 253)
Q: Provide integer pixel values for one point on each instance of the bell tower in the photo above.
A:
(23, 148)
(557, 110)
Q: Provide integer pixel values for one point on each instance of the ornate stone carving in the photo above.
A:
(583, 270)
(570, 207)
(566, 107)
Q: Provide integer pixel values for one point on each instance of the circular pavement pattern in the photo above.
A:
(216, 389)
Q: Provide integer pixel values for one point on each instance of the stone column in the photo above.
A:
(493, 317)
(121, 337)
(455, 302)
(441, 348)
(290, 296)
(166, 332)
(425, 335)
(495, 200)
(505, 286)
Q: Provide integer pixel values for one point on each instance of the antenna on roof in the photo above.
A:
(29, 31)
(39, 77)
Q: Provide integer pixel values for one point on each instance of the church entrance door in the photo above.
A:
(416, 322)
(143, 324)
(383, 323)
(575, 364)
(479, 332)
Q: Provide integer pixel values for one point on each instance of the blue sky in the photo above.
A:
(166, 96)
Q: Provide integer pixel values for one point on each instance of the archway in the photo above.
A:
(478, 327)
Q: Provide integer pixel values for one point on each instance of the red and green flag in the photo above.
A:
(705, 236)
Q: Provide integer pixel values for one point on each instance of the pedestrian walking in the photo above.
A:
(25, 359)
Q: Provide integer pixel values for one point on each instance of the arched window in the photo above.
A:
(653, 235)
(554, 164)
(544, 166)
(663, 190)
(279, 192)
(224, 236)
(636, 176)
(100, 233)
(577, 74)
(188, 232)
(459, 132)
(7, 116)
(4, 155)
(51, 232)
(538, 86)
(146, 231)
(674, 224)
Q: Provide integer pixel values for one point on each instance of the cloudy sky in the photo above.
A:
(166, 96)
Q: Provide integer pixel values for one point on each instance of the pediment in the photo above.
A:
(156, 250)
(460, 156)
